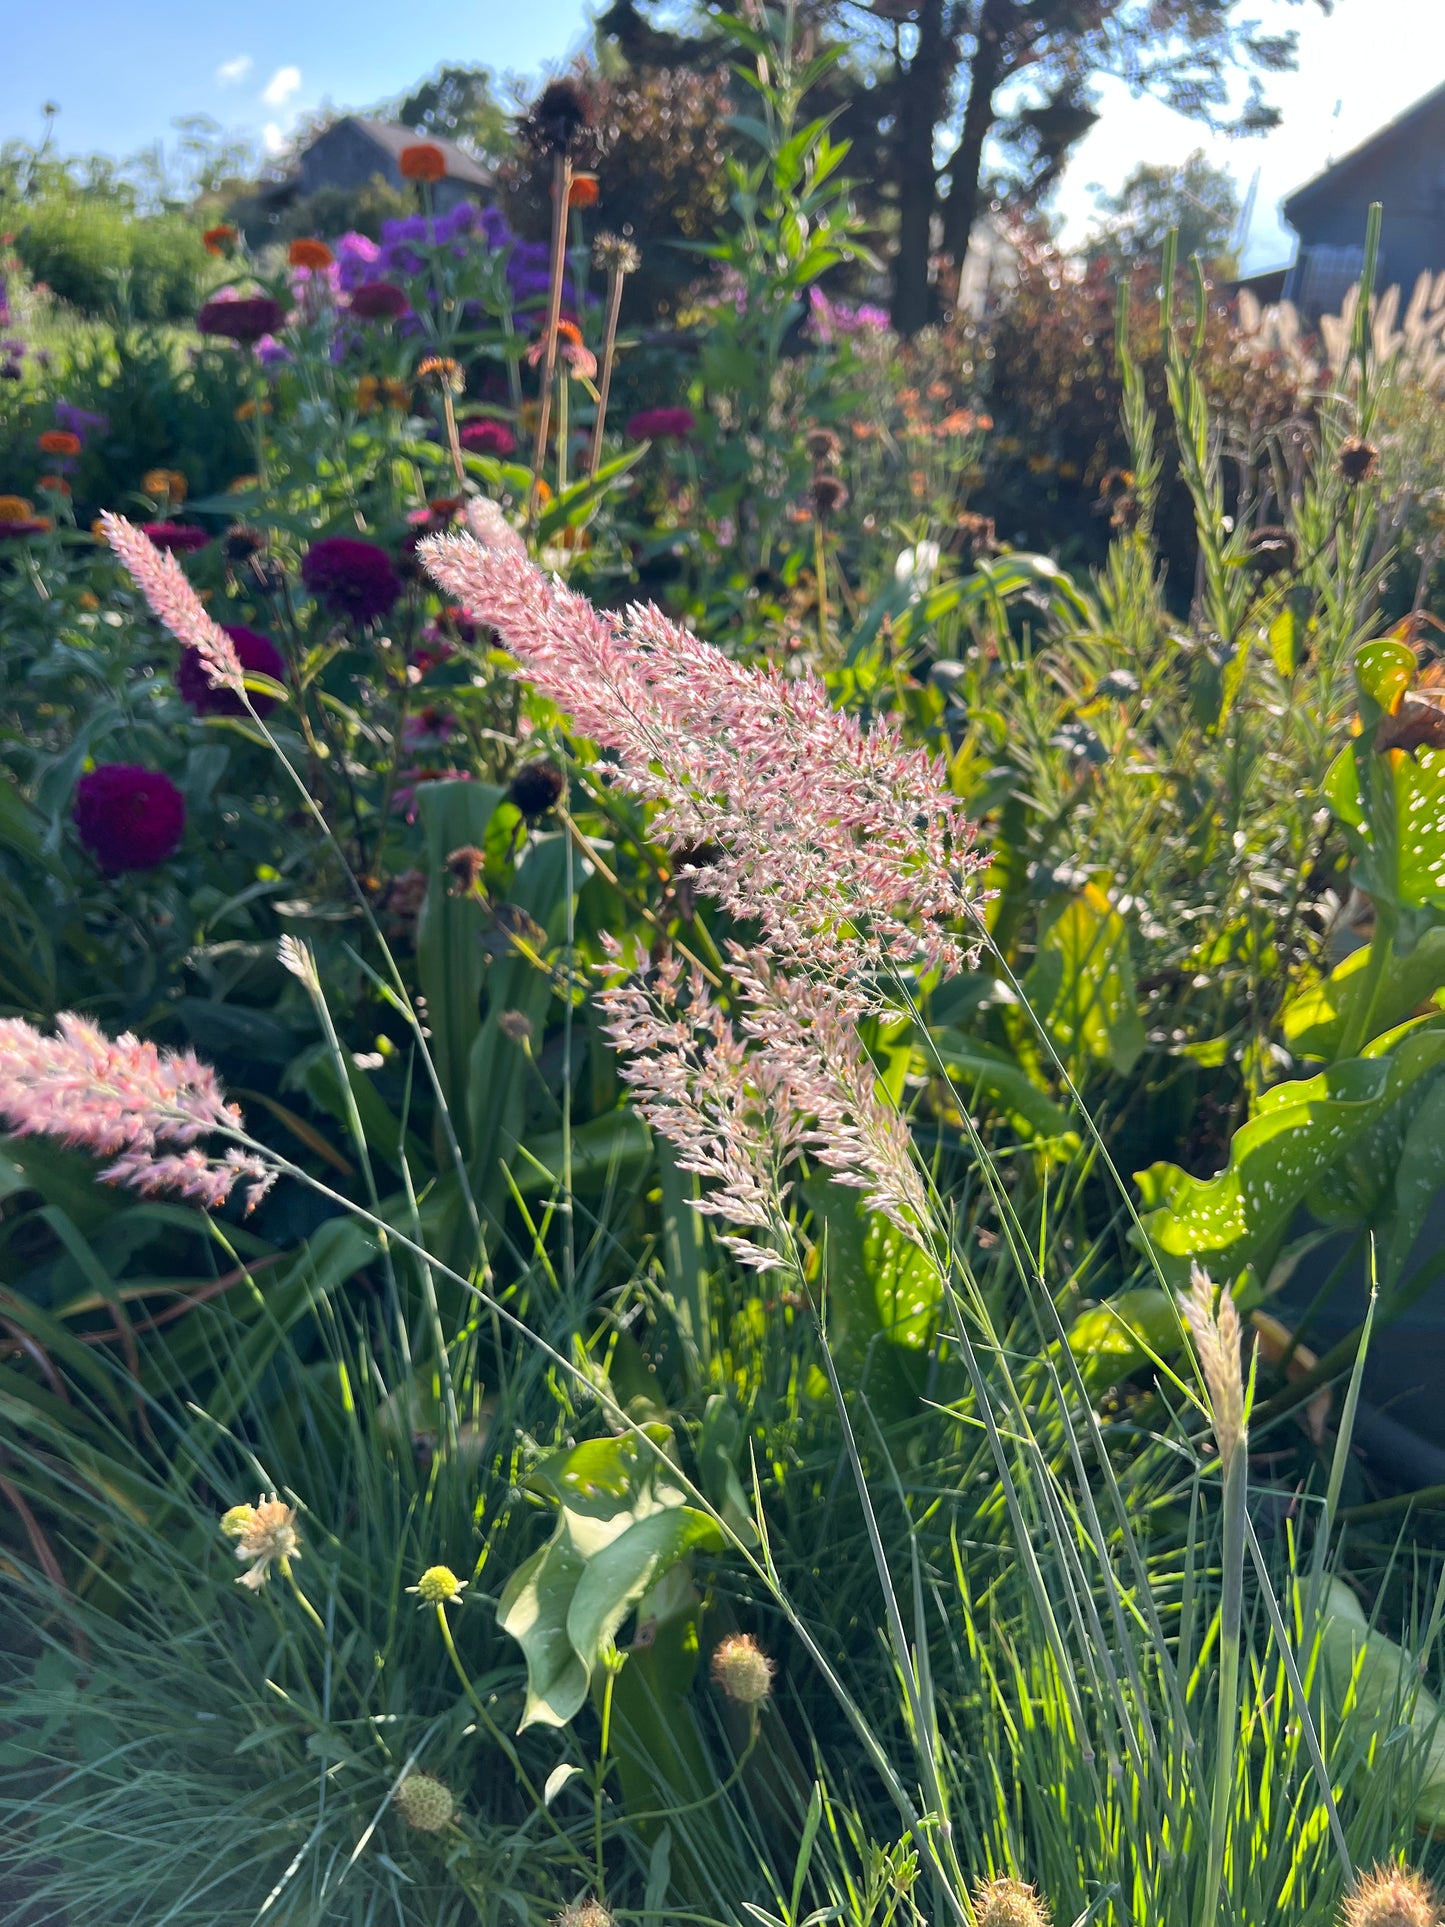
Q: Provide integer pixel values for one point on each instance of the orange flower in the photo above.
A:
(584, 191)
(247, 411)
(309, 254)
(57, 484)
(423, 163)
(372, 394)
(57, 441)
(168, 482)
(219, 239)
(14, 508)
(88, 601)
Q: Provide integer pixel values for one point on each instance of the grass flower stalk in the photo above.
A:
(561, 190)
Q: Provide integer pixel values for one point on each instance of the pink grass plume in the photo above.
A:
(125, 1099)
(174, 602)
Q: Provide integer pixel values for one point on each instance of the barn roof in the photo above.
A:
(392, 138)
(1334, 175)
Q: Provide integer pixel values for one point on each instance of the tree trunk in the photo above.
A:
(921, 95)
(964, 170)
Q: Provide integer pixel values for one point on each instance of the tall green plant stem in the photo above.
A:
(609, 355)
(1231, 1609)
(561, 194)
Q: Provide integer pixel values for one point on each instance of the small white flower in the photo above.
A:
(918, 566)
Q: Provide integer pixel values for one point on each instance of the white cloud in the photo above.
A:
(272, 139)
(285, 82)
(230, 72)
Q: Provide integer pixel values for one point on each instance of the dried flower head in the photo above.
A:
(614, 255)
(438, 1586)
(465, 867)
(536, 788)
(1395, 1896)
(444, 371)
(268, 1538)
(422, 162)
(584, 1913)
(1272, 551)
(515, 1025)
(1358, 460)
(823, 447)
(828, 494)
(742, 1670)
(1008, 1903)
(427, 1804)
(560, 121)
(1216, 1335)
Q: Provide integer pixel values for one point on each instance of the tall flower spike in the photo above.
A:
(849, 848)
(128, 1101)
(1216, 1335)
(175, 604)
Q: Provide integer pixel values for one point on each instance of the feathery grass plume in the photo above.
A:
(740, 1102)
(1008, 1903)
(174, 603)
(1395, 1896)
(1216, 1334)
(124, 1099)
(849, 848)
(267, 1537)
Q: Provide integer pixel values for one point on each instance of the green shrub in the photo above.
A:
(96, 256)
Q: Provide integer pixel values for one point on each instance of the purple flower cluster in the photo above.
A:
(351, 578)
(84, 422)
(128, 817)
(827, 320)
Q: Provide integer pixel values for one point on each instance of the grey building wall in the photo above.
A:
(345, 155)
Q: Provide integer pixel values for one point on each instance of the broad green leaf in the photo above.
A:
(1300, 1131)
(450, 958)
(1419, 1176)
(1384, 670)
(533, 1608)
(1314, 1019)
(882, 1295)
(1375, 1685)
(1392, 805)
(572, 507)
(975, 1066)
(1111, 1340)
(619, 1576)
(1081, 985)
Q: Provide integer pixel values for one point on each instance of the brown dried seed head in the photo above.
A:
(742, 1669)
(1390, 1897)
(1008, 1903)
(1358, 460)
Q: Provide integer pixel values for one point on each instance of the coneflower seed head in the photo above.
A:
(1008, 1903)
(742, 1669)
(1394, 1896)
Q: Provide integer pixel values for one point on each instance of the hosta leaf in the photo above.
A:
(1375, 1685)
(1300, 1131)
(1111, 1340)
(618, 1577)
(1081, 984)
(1314, 1020)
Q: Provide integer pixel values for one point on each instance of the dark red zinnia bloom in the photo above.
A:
(258, 654)
(178, 537)
(662, 425)
(128, 817)
(379, 301)
(488, 438)
(351, 578)
(245, 318)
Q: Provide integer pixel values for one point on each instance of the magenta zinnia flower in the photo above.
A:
(176, 537)
(128, 817)
(351, 578)
(379, 301)
(254, 652)
(243, 318)
(662, 425)
(125, 1100)
(488, 438)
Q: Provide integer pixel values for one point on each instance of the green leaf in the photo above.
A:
(449, 935)
(976, 1066)
(1375, 1685)
(619, 1576)
(1315, 1018)
(533, 1608)
(1114, 1339)
(1300, 1132)
(573, 506)
(1081, 985)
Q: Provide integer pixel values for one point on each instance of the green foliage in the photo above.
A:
(98, 258)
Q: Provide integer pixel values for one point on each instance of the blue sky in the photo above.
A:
(120, 73)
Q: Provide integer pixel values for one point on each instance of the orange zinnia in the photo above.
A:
(57, 441)
(57, 484)
(165, 481)
(15, 508)
(219, 240)
(309, 254)
(422, 163)
(584, 191)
